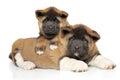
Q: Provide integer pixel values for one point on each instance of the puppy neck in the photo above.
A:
(49, 38)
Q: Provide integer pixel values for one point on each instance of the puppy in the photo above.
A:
(82, 51)
(50, 20)
(23, 52)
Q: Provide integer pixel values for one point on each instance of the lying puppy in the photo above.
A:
(23, 52)
(82, 51)
(50, 21)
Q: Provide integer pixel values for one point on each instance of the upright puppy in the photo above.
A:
(24, 51)
(50, 20)
(82, 51)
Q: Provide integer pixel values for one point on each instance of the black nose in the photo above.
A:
(50, 27)
(76, 47)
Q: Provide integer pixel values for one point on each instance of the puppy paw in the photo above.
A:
(39, 52)
(102, 63)
(69, 64)
(107, 64)
(27, 65)
(23, 64)
(53, 46)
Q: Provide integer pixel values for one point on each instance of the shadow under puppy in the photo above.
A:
(25, 52)
(82, 50)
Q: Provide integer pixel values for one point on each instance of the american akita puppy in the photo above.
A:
(82, 50)
(50, 21)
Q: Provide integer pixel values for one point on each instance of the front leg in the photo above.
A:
(102, 62)
(27, 65)
(70, 64)
(41, 44)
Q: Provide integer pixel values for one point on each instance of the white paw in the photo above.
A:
(39, 52)
(27, 65)
(23, 64)
(19, 59)
(102, 62)
(53, 47)
(69, 64)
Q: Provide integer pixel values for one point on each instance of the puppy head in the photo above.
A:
(50, 20)
(81, 45)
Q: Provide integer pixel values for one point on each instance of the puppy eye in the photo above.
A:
(85, 41)
(71, 39)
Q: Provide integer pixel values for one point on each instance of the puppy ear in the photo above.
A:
(95, 36)
(65, 30)
(39, 13)
(64, 14)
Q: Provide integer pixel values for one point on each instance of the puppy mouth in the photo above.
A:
(49, 33)
(50, 36)
(76, 54)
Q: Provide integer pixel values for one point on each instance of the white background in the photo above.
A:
(17, 20)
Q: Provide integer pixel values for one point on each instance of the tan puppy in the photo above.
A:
(82, 51)
(23, 53)
(50, 21)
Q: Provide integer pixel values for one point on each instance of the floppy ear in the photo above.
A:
(64, 14)
(39, 13)
(65, 30)
(94, 35)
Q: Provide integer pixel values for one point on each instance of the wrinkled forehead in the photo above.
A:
(75, 40)
(79, 33)
(81, 39)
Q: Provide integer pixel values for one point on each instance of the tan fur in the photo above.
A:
(50, 59)
(17, 44)
(27, 46)
(93, 50)
(63, 21)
